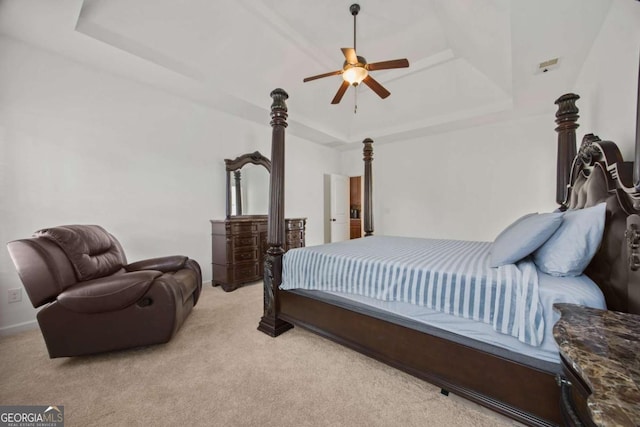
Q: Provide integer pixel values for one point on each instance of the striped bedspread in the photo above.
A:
(451, 276)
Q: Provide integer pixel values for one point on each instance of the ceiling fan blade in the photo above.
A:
(350, 54)
(385, 65)
(376, 87)
(319, 76)
(343, 88)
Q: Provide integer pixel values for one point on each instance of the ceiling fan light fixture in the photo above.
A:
(356, 69)
(355, 75)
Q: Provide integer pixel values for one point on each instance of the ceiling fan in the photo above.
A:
(356, 69)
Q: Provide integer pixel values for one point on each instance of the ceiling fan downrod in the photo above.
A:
(354, 9)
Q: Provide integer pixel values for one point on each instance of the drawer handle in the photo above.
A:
(562, 381)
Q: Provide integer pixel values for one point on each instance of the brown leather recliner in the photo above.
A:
(93, 300)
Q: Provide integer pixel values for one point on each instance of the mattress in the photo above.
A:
(451, 276)
(550, 289)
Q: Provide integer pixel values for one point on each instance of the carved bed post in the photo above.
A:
(566, 118)
(236, 176)
(270, 324)
(367, 151)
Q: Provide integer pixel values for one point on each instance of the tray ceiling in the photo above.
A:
(471, 61)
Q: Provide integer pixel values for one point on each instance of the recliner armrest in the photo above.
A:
(109, 293)
(164, 264)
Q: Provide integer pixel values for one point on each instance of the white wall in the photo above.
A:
(608, 81)
(467, 184)
(79, 145)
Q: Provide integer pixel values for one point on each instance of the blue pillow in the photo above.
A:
(570, 250)
(523, 237)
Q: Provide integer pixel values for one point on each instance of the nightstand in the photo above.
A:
(600, 352)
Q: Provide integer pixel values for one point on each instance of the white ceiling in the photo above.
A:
(472, 61)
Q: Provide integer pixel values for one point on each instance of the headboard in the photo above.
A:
(598, 173)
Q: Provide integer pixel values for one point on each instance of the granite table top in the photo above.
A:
(603, 347)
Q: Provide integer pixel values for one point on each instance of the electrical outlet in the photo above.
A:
(15, 295)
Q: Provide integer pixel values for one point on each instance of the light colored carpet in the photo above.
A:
(220, 371)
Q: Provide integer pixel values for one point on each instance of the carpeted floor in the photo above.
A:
(220, 371)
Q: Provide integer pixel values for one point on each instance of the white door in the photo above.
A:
(339, 212)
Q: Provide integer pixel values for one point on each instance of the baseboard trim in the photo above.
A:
(18, 327)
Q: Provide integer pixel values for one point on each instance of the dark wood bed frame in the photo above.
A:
(517, 389)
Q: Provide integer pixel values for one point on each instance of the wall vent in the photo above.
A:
(548, 65)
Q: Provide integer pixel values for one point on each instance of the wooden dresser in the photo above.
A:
(238, 245)
(600, 366)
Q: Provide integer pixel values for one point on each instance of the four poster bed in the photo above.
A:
(512, 371)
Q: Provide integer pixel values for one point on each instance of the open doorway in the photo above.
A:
(342, 207)
(336, 206)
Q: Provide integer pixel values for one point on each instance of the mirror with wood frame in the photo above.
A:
(248, 184)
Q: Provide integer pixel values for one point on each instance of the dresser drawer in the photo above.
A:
(297, 224)
(295, 235)
(243, 228)
(243, 273)
(294, 238)
(244, 240)
(245, 254)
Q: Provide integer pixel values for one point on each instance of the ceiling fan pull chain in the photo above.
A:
(355, 104)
